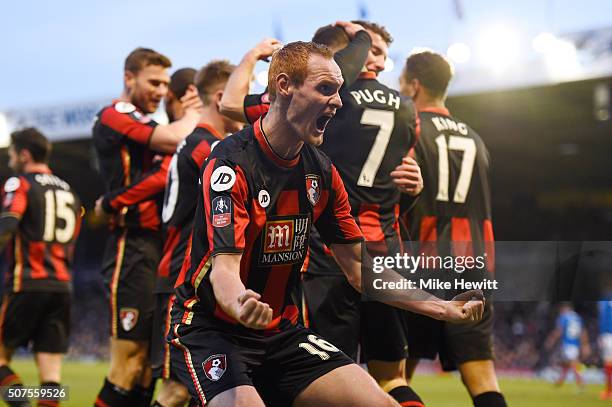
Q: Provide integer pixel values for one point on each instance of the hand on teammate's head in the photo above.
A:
(351, 28)
(251, 312)
(266, 47)
(191, 100)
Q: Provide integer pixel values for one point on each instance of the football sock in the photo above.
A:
(489, 399)
(406, 397)
(113, 396)
(141, 396)
(608, 372)
(9, 378)
(47, 402)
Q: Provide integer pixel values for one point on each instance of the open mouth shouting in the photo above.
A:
(322, 121)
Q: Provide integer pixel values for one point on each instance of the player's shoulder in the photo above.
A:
(316, 157)
(118, 112)
(15, 183)
(235, 149)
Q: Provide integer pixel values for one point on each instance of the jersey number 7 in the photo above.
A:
(385, 120)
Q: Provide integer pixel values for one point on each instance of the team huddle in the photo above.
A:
(234, 263)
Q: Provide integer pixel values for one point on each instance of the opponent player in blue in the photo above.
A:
(574, 340)
(605, 342)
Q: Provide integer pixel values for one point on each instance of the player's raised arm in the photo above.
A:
(165, 138)
(237, 88)
(351, 59)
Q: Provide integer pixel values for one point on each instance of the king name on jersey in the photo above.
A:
(378, 96)
(285, 240)
(445, 123)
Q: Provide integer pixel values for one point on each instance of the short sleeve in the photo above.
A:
(225, 193)
(336, 225)
(128, 122)
(255, 106)
(15, 197)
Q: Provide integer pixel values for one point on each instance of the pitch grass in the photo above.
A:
(84, 380)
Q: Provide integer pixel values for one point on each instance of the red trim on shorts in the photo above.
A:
(100, 403)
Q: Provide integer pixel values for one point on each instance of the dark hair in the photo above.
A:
(332, 36)
(377, 28)
(431, 69)
(142, 57)
(292, 59)
(211, 75)
(180, 81)
(32, 140)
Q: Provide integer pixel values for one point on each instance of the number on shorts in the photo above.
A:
(385, 120)
(321, 348)
(468, 146)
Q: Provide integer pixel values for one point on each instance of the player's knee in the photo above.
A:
(173, 394)
(387, 371)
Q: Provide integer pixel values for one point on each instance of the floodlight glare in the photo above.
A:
(543, 42)
(262, 78)
(459, 53)
(498, 48)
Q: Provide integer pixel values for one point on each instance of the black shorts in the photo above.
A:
(42, 318)
(453, 343)
(129, 268)
(336, 312)
(337, 317)
(211, 361)
(160, 348)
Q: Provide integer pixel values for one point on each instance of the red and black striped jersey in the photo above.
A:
(255, 203)
(455, 204)
(150, 186)
(40, 254)
(121, 136)
(369, 136)
(180, 200)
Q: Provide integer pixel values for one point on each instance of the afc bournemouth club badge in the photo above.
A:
(129, 318)
(313, 188)
(214, 367)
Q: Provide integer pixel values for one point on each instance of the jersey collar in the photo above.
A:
(265, 146)
(210, 129)
(439, 110)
